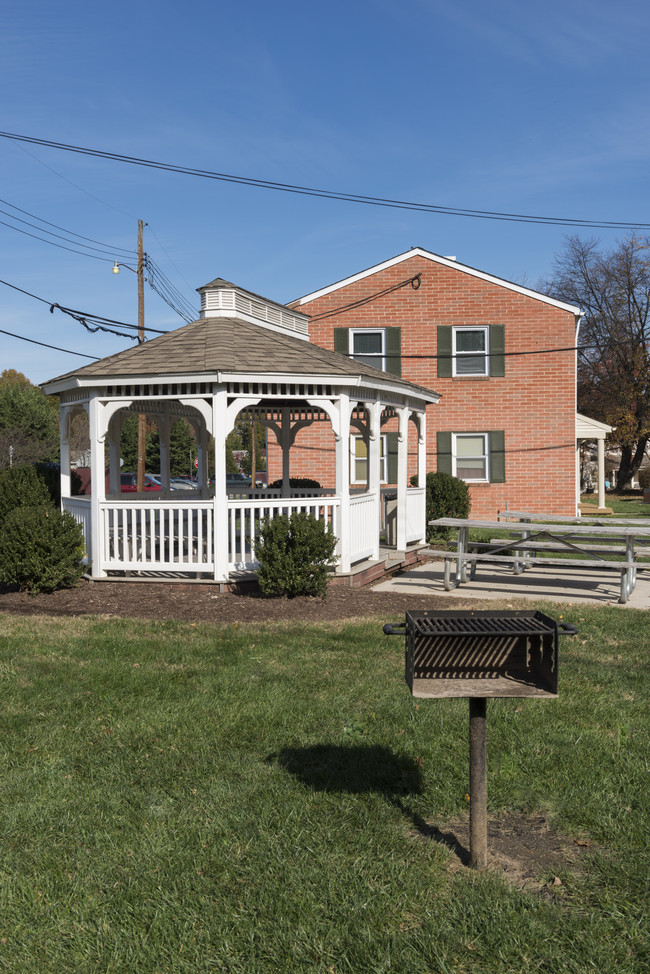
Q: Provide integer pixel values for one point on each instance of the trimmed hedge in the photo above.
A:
(21, 486)
(41, 549)
(295, 553)
(446, 496)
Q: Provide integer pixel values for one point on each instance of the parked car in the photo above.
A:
(129, 483)
(182, 483)
(237, 480)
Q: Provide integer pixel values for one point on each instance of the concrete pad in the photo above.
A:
(556, 584)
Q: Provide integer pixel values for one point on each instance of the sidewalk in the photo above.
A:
(495, 582)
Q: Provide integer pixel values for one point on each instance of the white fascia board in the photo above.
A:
(98, 382)
(338, 381)
(446, 262)
(593, 428)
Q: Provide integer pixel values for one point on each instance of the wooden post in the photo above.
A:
(477, 783)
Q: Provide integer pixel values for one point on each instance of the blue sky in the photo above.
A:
(534, 108)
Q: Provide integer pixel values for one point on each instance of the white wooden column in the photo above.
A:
(422, 467)
(402, 475)
(220, 432)
(98, 496)
(65, 419)
(342, 450)
(601, 473)
(373, 411)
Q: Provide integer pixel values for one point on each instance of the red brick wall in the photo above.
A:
(534, 403)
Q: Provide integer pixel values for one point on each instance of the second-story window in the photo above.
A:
(471, 350)
(369, 346)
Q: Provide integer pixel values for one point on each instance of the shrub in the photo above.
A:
(644, 477)
(295, 553)
(447, 496)
(295, 482)
(21, 487)
(41, 549)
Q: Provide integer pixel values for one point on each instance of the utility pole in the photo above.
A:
(142, 418)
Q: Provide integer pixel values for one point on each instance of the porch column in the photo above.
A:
(402, 475)
(64, 442)
(422, 468)
(343, 481)
(220, 508)
(164, 432)
(98, 496)
(373, 411)
(578, 478)
(285, 445)
(114, 435)
(601, 473)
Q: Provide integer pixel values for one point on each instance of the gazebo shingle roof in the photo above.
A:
(232, 345)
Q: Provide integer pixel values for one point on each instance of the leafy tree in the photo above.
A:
(181, 445)
(29, 421)
(613, 289)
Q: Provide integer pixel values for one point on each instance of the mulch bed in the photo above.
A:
(204, 603)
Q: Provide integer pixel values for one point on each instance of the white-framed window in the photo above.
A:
(359, 460)
(368, 345)
(470, 349)
(470, 456)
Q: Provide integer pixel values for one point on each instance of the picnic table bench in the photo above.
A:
(538, 543)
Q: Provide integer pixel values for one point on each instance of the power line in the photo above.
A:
(56, 348)
(332, 195)
(71, 233)
(84, 317)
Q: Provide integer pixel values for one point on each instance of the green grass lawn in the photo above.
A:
(192, 798)
(623, 505)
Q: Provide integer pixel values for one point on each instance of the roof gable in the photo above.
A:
(445, 262)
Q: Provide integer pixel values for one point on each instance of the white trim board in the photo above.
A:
(446, 262)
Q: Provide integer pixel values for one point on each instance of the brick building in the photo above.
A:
(500, 355)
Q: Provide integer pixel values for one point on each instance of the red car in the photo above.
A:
(129, 483)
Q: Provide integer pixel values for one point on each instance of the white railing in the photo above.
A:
(364, 526)
(245, 518)
(148, 534)
(157, 536)
(415, 514)
(79, 507)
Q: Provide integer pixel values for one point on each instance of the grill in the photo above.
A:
(480, 654)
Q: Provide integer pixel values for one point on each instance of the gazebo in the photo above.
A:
(244, 356)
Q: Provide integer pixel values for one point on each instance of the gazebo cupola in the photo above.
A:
(221, 299)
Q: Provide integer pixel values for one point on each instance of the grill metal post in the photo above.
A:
(477, 782)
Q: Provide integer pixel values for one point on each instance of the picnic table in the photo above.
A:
(543, 542)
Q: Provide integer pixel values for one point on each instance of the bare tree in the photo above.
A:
(613, 289)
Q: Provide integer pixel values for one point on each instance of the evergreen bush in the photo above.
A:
(21, 486)
(295, 553)
(41, 549)
(446, 496)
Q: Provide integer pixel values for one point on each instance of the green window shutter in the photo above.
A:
(391, 448)
(444, 350)
(497, 457)
(342, 340)
(444, 452)
(393, 351)
(497, 350)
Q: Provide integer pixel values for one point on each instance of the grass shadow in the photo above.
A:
(361, 769)
(356, 769)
